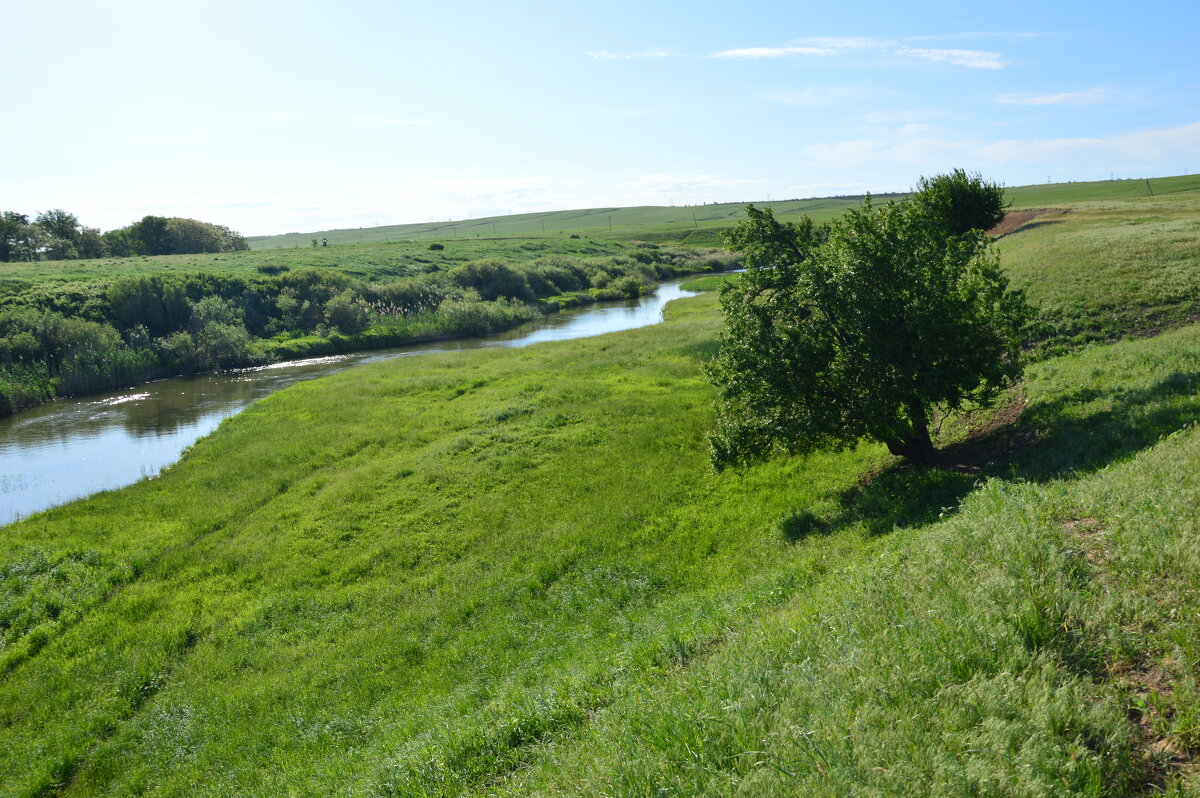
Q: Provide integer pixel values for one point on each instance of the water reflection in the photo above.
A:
(72, 448)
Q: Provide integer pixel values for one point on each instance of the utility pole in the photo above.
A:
(493, 228)
(610, 224)
(695, 224)
(1149, 189)
(543, 221)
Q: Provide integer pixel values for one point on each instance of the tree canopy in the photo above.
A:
(863, 328)
(57, 235)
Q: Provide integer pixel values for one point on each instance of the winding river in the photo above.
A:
(74, 447)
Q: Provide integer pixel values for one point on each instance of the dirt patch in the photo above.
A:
(1015, 220)
(1149, 687)
(1089, 535)
(990, 442)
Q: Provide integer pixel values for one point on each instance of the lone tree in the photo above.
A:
(863, 328)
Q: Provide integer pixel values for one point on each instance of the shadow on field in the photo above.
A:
(1077, 433)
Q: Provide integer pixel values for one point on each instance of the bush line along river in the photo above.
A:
(74, 447)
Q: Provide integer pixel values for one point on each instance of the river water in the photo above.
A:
(74, 447)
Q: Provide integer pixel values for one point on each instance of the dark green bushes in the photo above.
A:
(493, 279)
(69, 337)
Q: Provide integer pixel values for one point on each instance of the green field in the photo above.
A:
(692, 224)
(368, 261)
(513, 572)
(401, 250)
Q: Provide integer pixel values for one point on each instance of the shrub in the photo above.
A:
(347, 313)
(493, 279)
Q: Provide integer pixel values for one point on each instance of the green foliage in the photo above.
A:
(16, 237)
(961, 202)
(493, 279)
(859, 330)
(346, 313)
(160, 304)
(169, 323)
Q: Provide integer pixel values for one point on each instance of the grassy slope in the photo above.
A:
(366, 260)
(513, 572)
(515, 566)
(650, 221)
(1111, 267)
(693, 224)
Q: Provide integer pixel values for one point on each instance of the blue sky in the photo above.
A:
(274, 117)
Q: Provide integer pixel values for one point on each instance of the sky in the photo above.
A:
(273, 117)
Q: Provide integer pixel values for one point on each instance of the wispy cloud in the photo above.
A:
(376, 121)
(608, 55)
(984, 35)
(975, 59)
(832, 45)
(772, 52)
(1091, 96)
(1147, 146)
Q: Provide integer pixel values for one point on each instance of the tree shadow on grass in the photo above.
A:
(1075, 434)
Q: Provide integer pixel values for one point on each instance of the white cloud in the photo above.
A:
(832, 45)
(845, 154)
(1147, 145)
(771, 52)
(607, 55)
(1091, 96)
(845, 42)
(975, 59)
(1142, 150)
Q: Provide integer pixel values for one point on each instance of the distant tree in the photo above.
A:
(16, 237)
(54, 248)
(231, 241)
(151, 231)
(57, 223)
(90, 243)
(188, 236)
(123, 242)
(862, 329)
(961, 201)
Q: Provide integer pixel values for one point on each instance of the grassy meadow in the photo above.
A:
(1100, 269)
(693, 224)
(512, 572)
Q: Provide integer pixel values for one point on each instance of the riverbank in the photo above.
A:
(72, 448)
(62, 339)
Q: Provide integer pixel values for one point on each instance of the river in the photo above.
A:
(74, 447)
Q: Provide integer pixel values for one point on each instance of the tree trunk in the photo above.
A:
(916, 448)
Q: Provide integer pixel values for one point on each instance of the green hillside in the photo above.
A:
(513, 572)
(694, 224)
(686, 224)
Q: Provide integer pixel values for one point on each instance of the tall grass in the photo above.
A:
(513, 572)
